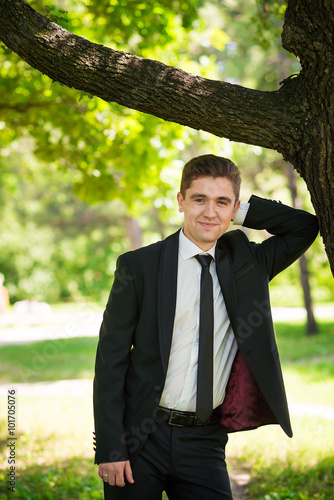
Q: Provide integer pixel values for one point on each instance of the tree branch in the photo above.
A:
(226, 110)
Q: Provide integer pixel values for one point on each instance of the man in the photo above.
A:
(187, 349)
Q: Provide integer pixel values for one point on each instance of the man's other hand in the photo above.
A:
(115, 473)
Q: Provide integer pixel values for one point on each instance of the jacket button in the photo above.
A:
(157, 388)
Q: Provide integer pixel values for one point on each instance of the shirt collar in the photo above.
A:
(188, 249)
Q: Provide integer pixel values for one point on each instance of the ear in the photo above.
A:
(236, 207)
(180, 202)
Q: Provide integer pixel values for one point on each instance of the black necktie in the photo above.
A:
(204, 400)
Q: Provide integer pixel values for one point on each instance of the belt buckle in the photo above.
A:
(171, 416)
(175, 413)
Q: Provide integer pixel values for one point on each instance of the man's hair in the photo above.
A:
(210, 166)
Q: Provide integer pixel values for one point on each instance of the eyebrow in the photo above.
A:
(220, 198)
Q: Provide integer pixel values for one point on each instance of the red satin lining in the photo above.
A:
(244, 406)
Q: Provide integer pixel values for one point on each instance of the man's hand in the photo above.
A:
(115, 473)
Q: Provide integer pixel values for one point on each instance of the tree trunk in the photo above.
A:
(133, 232)
(297, 120)
(308, 33)
(311, 325)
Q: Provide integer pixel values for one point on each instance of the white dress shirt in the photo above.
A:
(179, 392)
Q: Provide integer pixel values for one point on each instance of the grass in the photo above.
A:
(54, 450)
(282, 466)
(308, 363)
(54, 454)
(294, 346)
(301, 468)
(48, 360)
(70, 479)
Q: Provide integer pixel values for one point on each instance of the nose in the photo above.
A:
(210, 210)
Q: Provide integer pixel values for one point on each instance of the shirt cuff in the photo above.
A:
(240, 216)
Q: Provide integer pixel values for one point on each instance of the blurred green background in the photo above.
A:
(83, 180)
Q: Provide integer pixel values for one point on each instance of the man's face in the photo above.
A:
(209, 206)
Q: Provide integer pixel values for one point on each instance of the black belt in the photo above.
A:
(185, 418)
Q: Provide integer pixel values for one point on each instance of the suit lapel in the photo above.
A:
(167, 286)
(226, 280)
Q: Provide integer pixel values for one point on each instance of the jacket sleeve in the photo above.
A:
(294, 231)
(112, 361)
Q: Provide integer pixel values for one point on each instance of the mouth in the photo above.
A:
(208, 225)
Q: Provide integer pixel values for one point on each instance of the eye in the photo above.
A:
(222, 203)
(199, 200)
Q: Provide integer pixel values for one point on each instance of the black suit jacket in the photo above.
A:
(136, 332)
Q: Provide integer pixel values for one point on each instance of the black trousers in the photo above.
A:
(186, 462)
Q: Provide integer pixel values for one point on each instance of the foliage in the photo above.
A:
(56, 247)
(269, 21)
(55, 140)
(124, 22)
(105, 147)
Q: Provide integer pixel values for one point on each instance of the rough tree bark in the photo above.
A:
(297, 120)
